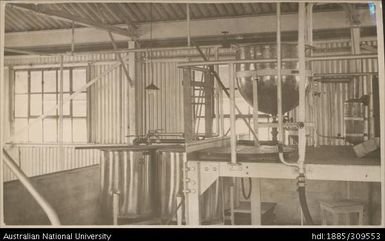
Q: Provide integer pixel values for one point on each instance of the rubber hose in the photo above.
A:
(243, 189)
(304, 207)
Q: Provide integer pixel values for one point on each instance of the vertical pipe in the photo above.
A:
(381, 80)
(255, 108)
(188, 24)
(233, 138)
(279, 77)
(61, 100)
(302, 83)
(2, 109)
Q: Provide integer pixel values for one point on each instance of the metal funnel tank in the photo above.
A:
(267, 85)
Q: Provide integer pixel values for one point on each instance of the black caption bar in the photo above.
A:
(196, 234)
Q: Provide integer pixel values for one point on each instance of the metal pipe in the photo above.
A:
(302, 85)
(47, 208)
(233, 137)
(250, 61)
(61, 112)
(279, 77)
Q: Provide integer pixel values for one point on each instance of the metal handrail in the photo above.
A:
(47, 208)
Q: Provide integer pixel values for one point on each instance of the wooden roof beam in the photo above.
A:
(69, 18)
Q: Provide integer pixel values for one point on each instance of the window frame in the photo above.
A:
(31, 117)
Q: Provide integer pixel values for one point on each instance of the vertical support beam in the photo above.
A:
(188, 24)
(2, 109)
(11, 101)
(233, 137)
(179, 212)
(187, 105)
(255, 200)
(61, 107)
(192, 193)
(279, 77)
(217, 99)
(131, 93)
(381, 79)
(209, 102)
(302, 83)
(312, 100)
(90, 106)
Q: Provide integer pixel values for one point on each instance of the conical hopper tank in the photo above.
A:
(267, 85)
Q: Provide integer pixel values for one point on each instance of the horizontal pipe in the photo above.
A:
(47, 208)
(250, 61)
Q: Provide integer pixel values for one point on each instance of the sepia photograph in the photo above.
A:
(217, 113)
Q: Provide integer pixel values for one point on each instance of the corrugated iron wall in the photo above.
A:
(36, 160)
(108, 100)
(164, 109)
(329, 106)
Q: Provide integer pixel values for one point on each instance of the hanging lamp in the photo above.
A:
(151, 88)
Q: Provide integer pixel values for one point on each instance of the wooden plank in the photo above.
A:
(209, 103)
(354, 173)
(208, 143)
(188, 111)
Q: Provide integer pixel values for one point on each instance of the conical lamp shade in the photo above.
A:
(152, 87)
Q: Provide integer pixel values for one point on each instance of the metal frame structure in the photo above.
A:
(199, 175)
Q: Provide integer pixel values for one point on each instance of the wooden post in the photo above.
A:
(209, 102)
(187, 106)
(381, 79)
(192, 193)
(179, 212)
(233, 137)
(255, 200)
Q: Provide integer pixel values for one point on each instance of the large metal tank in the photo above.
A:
(267, 85)
(130, 175)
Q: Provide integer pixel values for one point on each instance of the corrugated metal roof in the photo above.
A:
(122, 13)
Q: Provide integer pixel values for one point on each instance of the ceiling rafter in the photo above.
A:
(69, 18)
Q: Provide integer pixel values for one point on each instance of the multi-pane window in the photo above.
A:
(37, 93)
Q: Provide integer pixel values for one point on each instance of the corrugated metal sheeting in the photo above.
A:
(108, 100)
(122, 13)
(109, 113)
(37, 160)
(329, 106)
